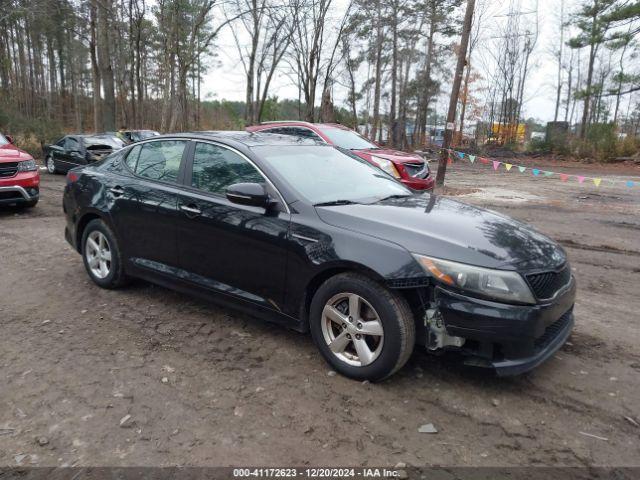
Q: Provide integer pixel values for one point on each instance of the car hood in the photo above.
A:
(451, 230)
(396, 156)
(11, 153)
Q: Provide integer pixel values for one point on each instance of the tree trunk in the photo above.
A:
(455, 92)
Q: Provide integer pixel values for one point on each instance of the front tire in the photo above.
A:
(50, 164)
(101, 256)
(362, 329)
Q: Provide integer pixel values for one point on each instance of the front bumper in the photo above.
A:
(418, 183)
(512, 339)
(15, 194)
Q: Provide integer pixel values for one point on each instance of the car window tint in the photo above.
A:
(132, 157)
(215, 168)
(71, 144)
(160, 160)
(60, 142)
(303, 132)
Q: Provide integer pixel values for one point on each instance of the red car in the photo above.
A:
(19, 175)
(409, 168)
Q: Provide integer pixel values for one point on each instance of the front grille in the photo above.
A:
(546, 284)
(10, 195)
(553, 330)
(417, 170)
(8, 169)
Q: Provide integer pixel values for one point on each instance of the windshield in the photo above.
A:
(3, 140)
(347, 139)
(113, 142)
(323, 174)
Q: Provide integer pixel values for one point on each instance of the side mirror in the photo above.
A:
(252, 194)
(9, 138)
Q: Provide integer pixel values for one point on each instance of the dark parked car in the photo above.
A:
(132, 136)
(73, 150)
(299, 233)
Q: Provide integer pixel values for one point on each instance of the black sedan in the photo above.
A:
(307, 236)
(73, 150)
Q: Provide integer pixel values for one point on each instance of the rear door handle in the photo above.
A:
(117, 190)
(190, 210)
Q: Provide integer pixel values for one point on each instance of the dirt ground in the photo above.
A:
(145, 376)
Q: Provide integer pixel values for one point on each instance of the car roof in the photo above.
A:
(248, 139)
(300, 123)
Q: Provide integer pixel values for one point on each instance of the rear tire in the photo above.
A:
(362, 329)
(101, 256)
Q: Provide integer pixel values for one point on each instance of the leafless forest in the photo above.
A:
(97, 65)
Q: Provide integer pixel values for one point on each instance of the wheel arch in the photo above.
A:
(82, 223)
(322, 276)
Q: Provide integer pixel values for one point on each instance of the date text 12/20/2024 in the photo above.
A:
(308, 472)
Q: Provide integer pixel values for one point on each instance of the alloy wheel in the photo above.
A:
(352, 329)
(51, 167)
(98, 254)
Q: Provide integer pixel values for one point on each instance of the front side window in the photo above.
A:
(157, 160)
(71, 145)
(215, 168)
(347, 139)
(3, 140)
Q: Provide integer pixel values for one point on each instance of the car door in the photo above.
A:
(62, 156)
(234, 249)
(145, 203)
(74, 151)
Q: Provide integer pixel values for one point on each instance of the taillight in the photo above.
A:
(72, 177)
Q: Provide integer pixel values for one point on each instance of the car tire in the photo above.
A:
(384, 351)
(50, 164)
(102, 256)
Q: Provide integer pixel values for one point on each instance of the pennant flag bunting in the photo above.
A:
(453, 154)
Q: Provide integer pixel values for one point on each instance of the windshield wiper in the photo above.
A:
(334, 202)
(393, 196)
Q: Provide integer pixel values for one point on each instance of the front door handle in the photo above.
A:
(191, 210)
(117, 190)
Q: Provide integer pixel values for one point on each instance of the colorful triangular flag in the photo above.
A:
(522, 169)
(580, 179)
(536, 172)
(508, 166)
(484, 160)
(472, 158)
(496, 164)
(564, 177)
(548, 173)
(629, 183)
(596, 181)
(461, 155)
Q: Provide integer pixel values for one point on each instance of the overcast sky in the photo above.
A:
(225, 79)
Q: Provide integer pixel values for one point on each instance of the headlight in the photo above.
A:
(497, 284)
(27, 166)
(387, 166)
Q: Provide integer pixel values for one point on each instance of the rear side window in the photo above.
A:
(157, 160)
(215, 168)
